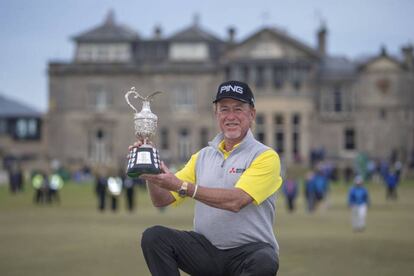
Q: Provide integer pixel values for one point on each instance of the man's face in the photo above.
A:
(234, 118)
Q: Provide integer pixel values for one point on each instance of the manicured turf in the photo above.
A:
(73, 238)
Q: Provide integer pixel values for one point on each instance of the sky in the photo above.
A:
(33, 33)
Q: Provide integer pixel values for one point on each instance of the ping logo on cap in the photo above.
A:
(234, 88)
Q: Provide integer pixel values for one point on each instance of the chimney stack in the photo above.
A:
(157, 32)
(321, 37)
(383, 51)
(408, 57)
(231, 34)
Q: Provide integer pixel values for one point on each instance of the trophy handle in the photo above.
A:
(149, 98)
(136, 95)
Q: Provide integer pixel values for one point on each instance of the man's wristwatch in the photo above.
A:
(182, 192)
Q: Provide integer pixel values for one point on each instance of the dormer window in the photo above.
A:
(107, 52)
(186, 51)
(110, 42)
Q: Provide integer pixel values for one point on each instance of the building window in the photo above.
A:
(383, 114)
(236, 73)
(27, 129)
(295, 76)
(203, 137)
(279, 137)
(99, 147)
(184, 144)
(407, 115)
(260, 78)
(189, 51)
(260, 119)
(279, 75)
(184, 97)
(260, 128)
(295, 141)
(298, 72)
(165, 139)
(227, 73)
(296, 136)
(337, 100)
(279, 120)
(245, 74)
(99, 99)
(280, 142)
(296, 121)
(296, 85)
(337, 97)
(350, 139)
(111, 52)
(3, 126)
(21, 128)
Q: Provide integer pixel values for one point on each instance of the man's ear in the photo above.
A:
(253, 113)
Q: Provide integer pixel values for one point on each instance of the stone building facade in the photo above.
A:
(22, 137)
(307, 100)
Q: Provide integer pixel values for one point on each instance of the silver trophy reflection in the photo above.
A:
(144, 159)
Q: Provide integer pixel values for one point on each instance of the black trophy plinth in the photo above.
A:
(143, 160)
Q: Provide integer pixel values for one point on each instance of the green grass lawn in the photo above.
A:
(73, 238)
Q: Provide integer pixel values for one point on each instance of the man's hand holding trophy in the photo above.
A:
(143, 159)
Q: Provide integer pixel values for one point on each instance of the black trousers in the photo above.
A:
(391, 192)
(167, 250)
(129, 192)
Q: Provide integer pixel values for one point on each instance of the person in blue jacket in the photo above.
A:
(310, 191)
(391, 180)
(290, 189)
(358, 201)
(320, 185)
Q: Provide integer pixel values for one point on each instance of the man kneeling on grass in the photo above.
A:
(234, 181)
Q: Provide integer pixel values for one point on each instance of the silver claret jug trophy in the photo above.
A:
(144, 159)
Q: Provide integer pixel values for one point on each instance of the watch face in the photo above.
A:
(182, 192)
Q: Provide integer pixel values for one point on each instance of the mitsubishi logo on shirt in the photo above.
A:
(235, 170)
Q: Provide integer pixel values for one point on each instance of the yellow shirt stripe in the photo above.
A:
(262, 178)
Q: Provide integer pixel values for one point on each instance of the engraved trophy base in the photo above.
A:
(143, 160)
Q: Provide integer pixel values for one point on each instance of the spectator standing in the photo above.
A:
(358, 200)
(55, 184)
(115, 189)
(100, 190)
(320, 182)
(391, 180)
(348, 173)
(310, 191)
(129, 193)
(15, 178)
(40, 186)
(290, 190)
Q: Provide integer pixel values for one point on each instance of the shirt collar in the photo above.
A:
(218, 141)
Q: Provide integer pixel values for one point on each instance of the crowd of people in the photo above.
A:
(110, 188)
(315, 187)
(316, 184)
(46, 187)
